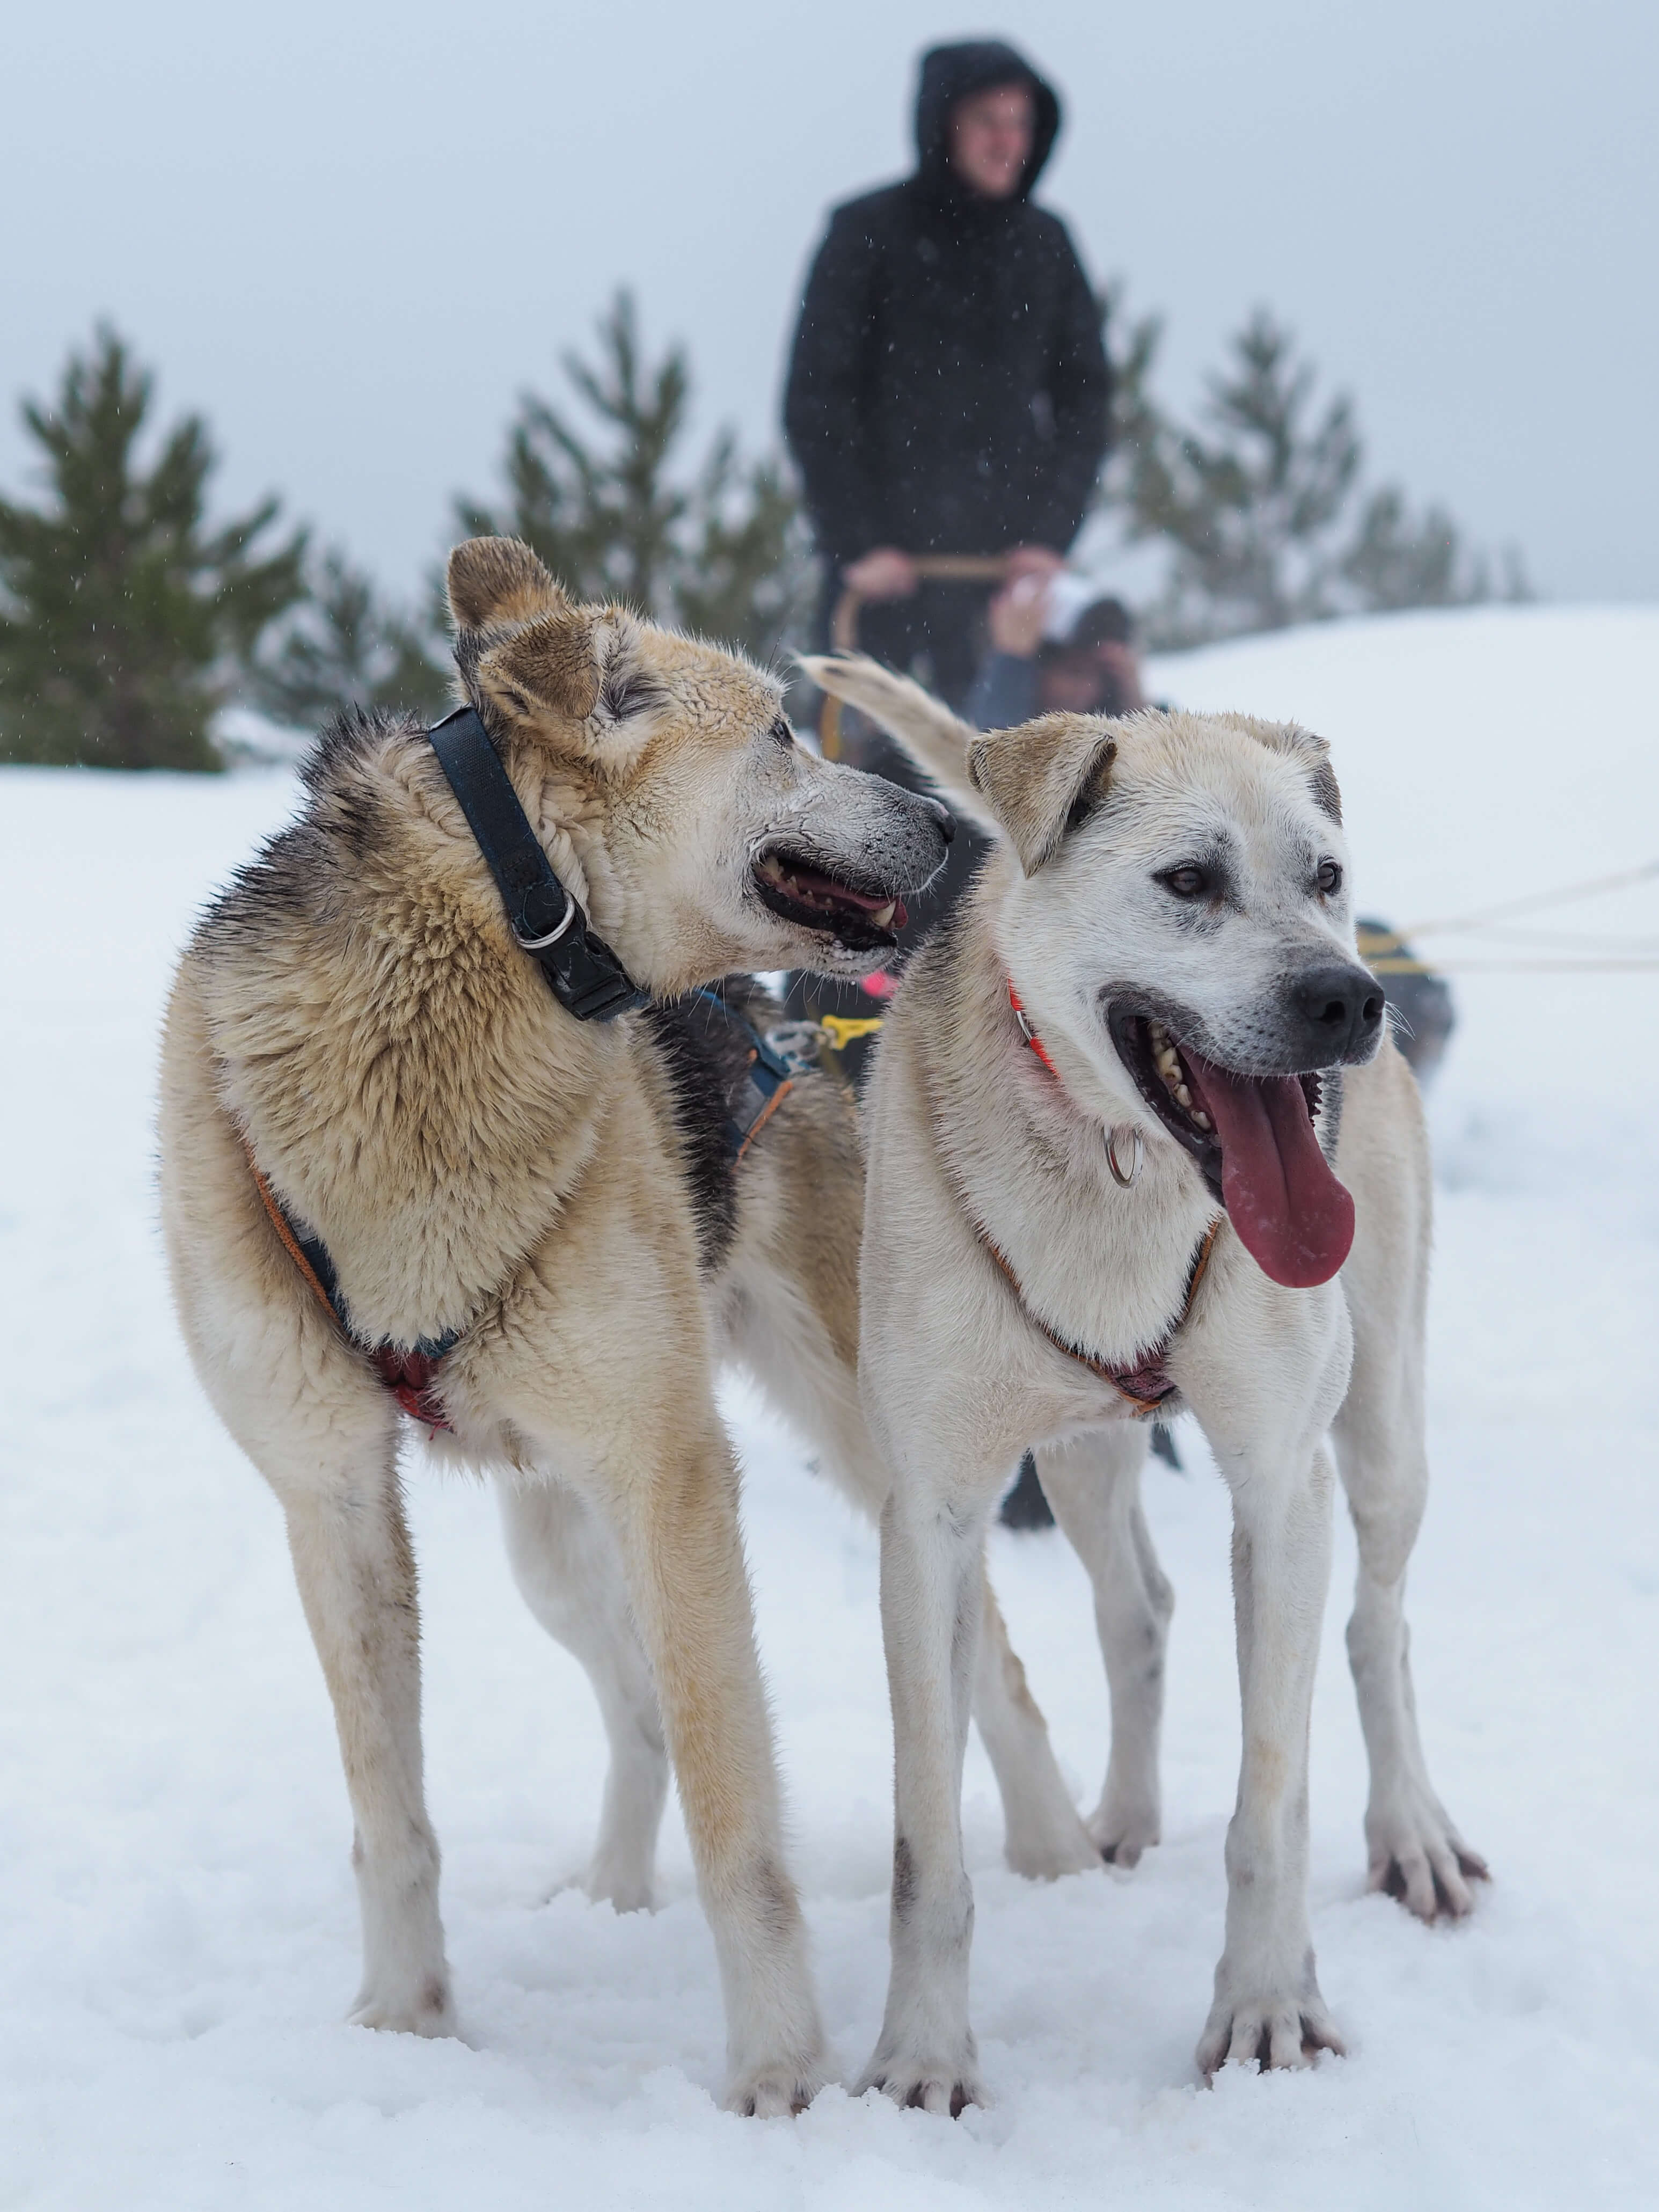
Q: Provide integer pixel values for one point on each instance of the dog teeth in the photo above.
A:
(771, 870)
(1167, 1060)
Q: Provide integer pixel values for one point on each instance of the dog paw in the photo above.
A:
(1059, 1850)
(427, 2010)
(1267, 2036)
(927, 2085)
(774, 2092)
(625, 1892)
(622, 1889)
(1121, 1834)
(1416, 1856)
(1266, 2027)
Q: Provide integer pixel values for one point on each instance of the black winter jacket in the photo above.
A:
(949, 391)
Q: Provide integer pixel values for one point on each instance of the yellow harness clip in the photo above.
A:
(843, 1028)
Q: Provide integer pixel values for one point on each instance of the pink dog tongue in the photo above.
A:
(1294, 1217)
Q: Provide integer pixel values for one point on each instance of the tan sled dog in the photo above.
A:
(354, 1019)
(1101, 1132)
(354, 1023)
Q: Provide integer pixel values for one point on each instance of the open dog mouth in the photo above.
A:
(862, 920)
(1254, 1139)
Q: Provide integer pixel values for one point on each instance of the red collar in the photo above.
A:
(1029, 1034)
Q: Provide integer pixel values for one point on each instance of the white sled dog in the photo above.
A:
(1101, 1133)
(397, 1173)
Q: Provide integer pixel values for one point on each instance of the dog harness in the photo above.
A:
(410, 1375)
(1147, 1387)
(766, 1078)
(587, 980)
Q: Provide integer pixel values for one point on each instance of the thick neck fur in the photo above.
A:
(1105, 1268)
(393, 1058)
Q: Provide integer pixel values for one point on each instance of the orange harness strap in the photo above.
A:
(411, 1376)
(284, 1228)
(765, 1115)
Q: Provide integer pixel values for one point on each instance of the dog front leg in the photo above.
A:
(1268, 2007)
(679, 1523)
(1414, 1852)
(1093, 1483)
(931, 1588)
(356, 1571)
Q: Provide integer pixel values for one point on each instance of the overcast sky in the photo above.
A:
(352, 233)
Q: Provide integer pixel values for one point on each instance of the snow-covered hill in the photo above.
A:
(177, 1919)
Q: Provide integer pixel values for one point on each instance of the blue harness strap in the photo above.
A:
(766, 1079)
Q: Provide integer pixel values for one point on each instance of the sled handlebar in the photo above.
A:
(931, 568)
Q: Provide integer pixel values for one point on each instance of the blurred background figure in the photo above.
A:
(948, 394)
(1048, 655)
(948, 391)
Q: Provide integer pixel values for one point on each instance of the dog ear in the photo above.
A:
(1313, 752)
(492, 581)
(584, 664)
(1040, 777)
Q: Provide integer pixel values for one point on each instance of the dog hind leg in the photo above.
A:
(1044, 1838)
(1093, 1483)
(1413, 1852)
(565, 1562)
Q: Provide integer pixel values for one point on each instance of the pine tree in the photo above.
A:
(1248, 508)
(723, 552)
(344, 645)
(1257, 506)
(1137, 424)
(122, 616)
(1395, 561)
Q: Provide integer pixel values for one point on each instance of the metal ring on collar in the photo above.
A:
(541, 944)
(1124, 1181)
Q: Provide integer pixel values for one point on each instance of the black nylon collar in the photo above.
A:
(584, 974)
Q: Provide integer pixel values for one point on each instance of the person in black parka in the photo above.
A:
(948, 393)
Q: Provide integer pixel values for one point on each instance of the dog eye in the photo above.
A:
(1187, 882)
(1330, 878)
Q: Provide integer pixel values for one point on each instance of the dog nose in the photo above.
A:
(942, 816)
(1342, 1007)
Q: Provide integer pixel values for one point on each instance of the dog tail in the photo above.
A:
(936, 739)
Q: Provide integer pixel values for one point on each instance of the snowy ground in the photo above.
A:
(177, 1917)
